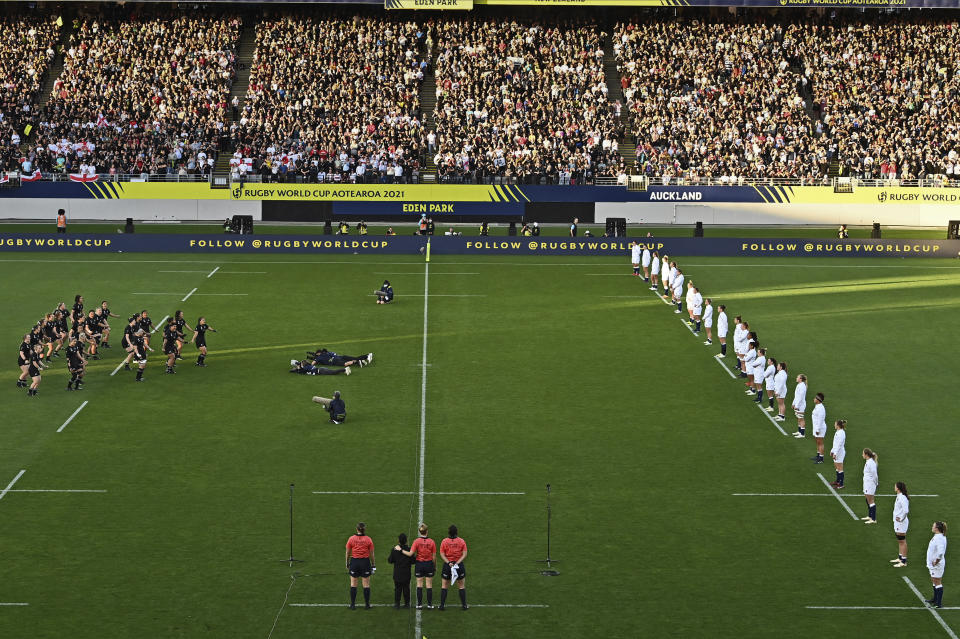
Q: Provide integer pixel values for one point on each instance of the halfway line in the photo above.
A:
(75, 413)
(840, 499)
(866, 608)
(418, 625)
(401, 492)
(189, 294)
(12, 482)
(815, 495)
(212, 272)
(933, 611)
(343, 605)
(13, 604)
(53, 490)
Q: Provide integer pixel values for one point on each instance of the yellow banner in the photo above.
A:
(442, 5)
(879, 195)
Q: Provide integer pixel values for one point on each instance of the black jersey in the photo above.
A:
(145, 323)
(62, 323)
(77, 310)
(74, 355)
(50, 331)
(180, 324)
(34, 364)
(128, 333)
(25, 354)
(170, 333)
(105, 311)
(35, 337)
(201, 339)
(139, 346)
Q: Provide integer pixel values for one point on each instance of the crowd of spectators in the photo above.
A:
(334, 98)
(523, 99)
(887, 92)
(718, 98)
(29, 48)
(143, 91)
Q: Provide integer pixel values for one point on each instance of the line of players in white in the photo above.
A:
(765, 373)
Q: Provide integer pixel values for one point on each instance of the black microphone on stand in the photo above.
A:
(549, 572)
(291, 560)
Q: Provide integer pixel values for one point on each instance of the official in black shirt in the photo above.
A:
(401, 571)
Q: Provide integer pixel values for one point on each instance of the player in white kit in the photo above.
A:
(870, 481)
(838, 451)
(708, 321)
(769, 373)
(689, 299)
(759, 366)
(800, 405)
(697, 310)
(678, 281)
(749, 354)
(780, 390)
(722, 328)
(666, 276)
(819, 426)
(645, 261)
(936, 561)
(901, 522)
(655, 274)
(635, 251)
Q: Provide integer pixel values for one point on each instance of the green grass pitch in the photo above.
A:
(540, 370)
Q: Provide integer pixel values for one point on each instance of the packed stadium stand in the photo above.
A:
(356, 94)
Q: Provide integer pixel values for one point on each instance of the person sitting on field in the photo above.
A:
(385, 294)
(334, 406)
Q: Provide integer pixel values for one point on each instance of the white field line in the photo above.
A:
(417, 273)
(160, 323)
(418, 624)
(726, 368)
(343, 605)
(871, 607)
(400, 492)
(187, 296)
(12, 482)
(688, 327)
(75, 413)
(851, 496)
(660, 297)
(286, 596)
(933, 611)
(212, 272)
(771, 419)
(181, 271)
(117, 369)
(433, 295)
(243, 272)
(839, 498)
(53, 490)
(14, 603)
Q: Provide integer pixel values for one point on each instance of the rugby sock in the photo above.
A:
(723, 349)
(759, 399)
(366, 596)
(353, 595)
(873, 511)
(636, 271)
(698, 326)
(771, 401)
(837, 472)
(419, 596)
(937, 594)
(429, 596)
(840, 478)
(139, 373)
(443, 597)
(200, 359)
(679, 306)
(463, 597)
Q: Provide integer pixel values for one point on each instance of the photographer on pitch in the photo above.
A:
(334, 406)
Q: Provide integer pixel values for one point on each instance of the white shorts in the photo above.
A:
(646, 262)
(821, 432)
(768, 384)
(708, 322)
(869, 488)
(900, 527)
(799, 413)
(758, 378)
(635, 264)
(697, 310)
(936, 572)
(840, 456)
(780, 393)
(800, 408)
(722, 334)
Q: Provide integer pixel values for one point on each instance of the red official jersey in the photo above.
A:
(360, 546)
(425, 548)
(453, 549)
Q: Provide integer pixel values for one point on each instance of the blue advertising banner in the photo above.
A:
(442, 245)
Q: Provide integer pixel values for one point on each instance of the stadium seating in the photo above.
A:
(334, 98)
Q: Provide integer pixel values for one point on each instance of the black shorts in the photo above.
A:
(360, 567)
(461, 569)
(75, 368)
(33, 371)
(200, 342)
(425, 569)
(170, 348)
(22, 362)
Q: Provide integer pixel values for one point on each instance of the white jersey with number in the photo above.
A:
(800, 397)
(839, 450)
(871, 478)
(901, 512)
(722, 326)
(819, 421)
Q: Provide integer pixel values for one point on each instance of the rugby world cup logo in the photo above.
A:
(882, 196)
(237, 193)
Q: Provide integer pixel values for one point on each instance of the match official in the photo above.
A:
(453, 550)
(361, 563)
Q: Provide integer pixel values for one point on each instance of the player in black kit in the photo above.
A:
(92, 325)
(76, 364)
(34, 368)
(105, 311)
(170, 338)
(200, 339)
(146, 324)
(139, 352)
(23, 361)
(127, 340)
(181, 324)
(77, 314)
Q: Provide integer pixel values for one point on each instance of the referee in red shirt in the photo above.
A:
(453, 550)
(426, 551)
(361, 563)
